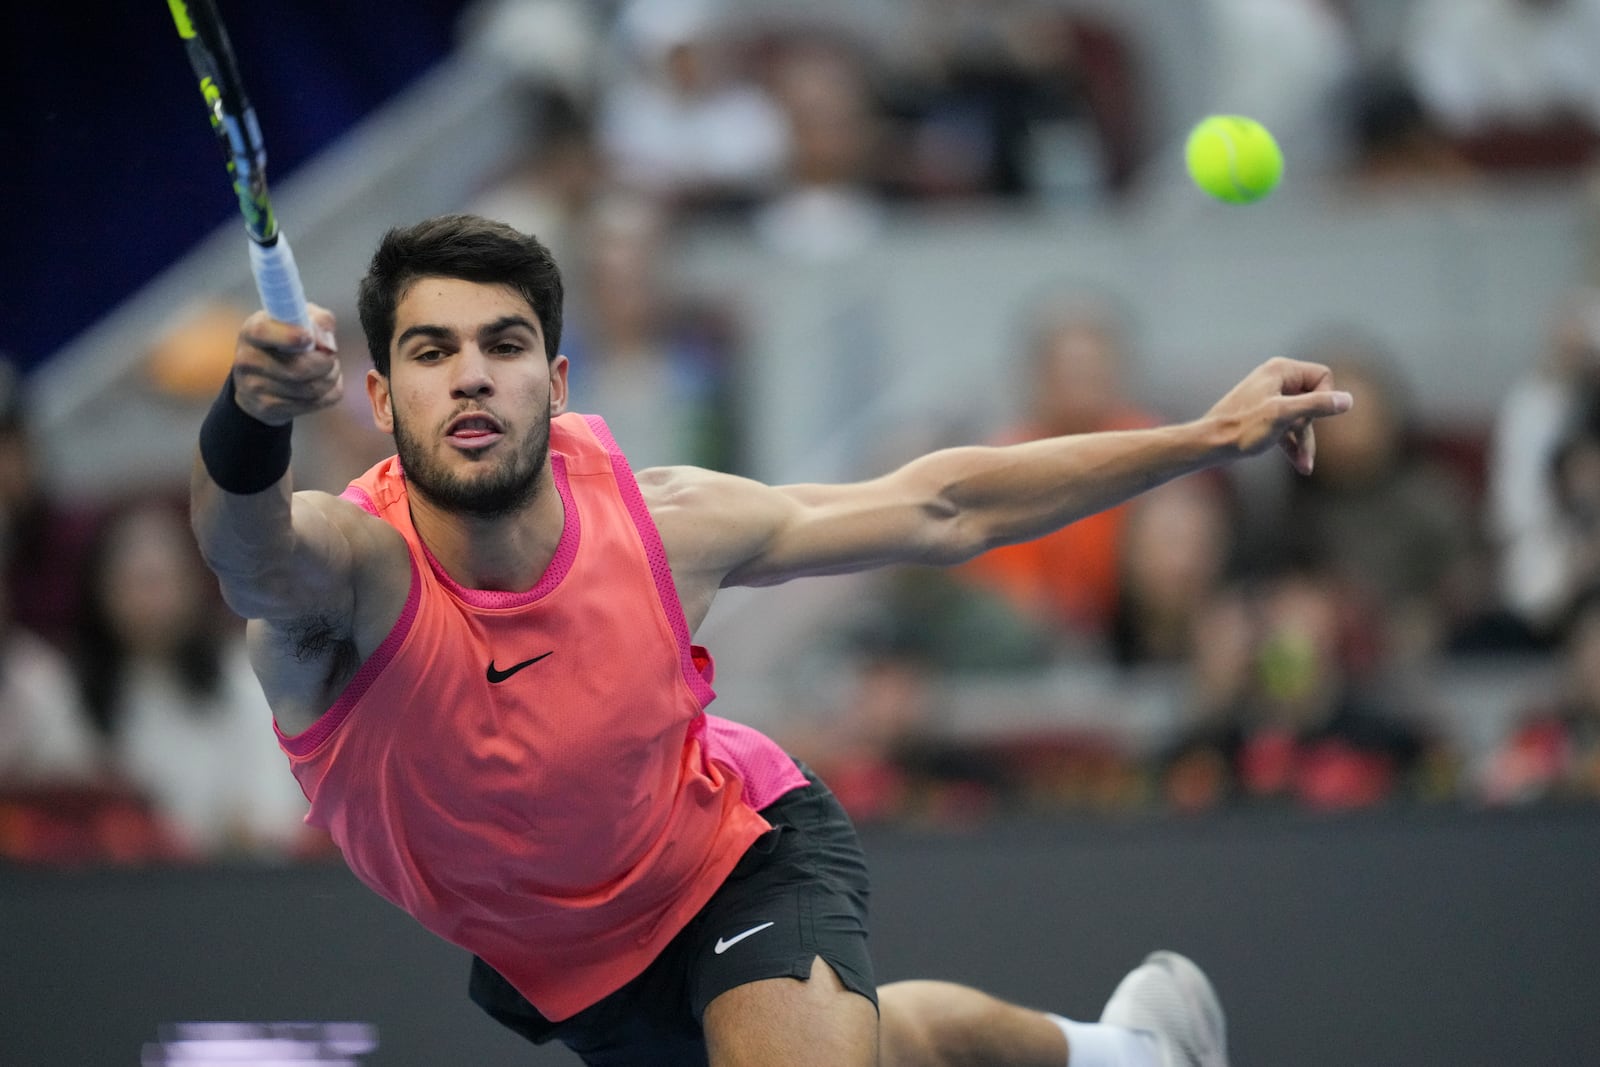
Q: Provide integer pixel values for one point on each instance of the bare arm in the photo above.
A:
(274, 557)
(948, 506)
(315, 574)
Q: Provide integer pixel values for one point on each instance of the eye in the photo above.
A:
(508, 348)
(428, 355)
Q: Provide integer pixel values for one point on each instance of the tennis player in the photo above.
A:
(481, 666)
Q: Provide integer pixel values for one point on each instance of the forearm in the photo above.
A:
(246, 539)
(951, 505)
(1002, 495)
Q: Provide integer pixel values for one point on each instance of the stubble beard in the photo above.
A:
(505, 485)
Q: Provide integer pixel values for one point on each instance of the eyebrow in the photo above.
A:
(437, 333)
(444, 333)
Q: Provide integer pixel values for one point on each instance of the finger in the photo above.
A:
(282, 402)
(1298, 376)
(265, 392)
(1300, 445)
(312, 368)
(277, 339)
(1317, 404)
(324, 325)
(332, 389)
(295, 369)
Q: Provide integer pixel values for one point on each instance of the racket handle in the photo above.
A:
(278, 282)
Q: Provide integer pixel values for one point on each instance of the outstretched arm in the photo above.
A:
(304, 564)
(275, 555)
(948, 506)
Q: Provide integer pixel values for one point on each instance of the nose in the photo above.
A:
(472, 378)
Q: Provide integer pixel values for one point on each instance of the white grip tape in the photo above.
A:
(278, 282)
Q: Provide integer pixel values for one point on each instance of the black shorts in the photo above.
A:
(799, 892)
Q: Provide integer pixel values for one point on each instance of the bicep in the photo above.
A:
(839, 529)
(297, 556)
(738, 532)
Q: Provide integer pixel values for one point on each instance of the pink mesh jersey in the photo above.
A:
(533, 775)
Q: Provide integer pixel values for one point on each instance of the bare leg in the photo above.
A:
(1164, 1011)
(939, 1024)
(781, 1022)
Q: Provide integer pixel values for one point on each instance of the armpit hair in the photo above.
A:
(320, 639)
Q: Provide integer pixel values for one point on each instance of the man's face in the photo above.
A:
(1078, 380)
(469, 395)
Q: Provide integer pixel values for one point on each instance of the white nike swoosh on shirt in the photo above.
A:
(723, 946)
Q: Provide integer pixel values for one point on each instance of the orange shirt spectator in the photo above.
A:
(1069, 578)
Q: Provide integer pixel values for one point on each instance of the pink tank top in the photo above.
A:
(532, 776)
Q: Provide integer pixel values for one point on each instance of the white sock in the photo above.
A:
(1100, 1045)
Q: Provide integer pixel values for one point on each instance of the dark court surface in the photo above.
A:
(1405, 937)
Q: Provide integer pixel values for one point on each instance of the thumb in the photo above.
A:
(323, 324)
(1317, 404)
(1299, 443)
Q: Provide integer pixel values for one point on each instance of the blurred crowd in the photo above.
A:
(1298, 619)
(131, 726)
(1296, 624)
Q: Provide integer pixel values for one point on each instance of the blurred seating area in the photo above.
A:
(810, 242)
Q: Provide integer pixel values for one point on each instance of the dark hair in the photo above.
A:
(1386, 112)
(467, 247)
(102, 659)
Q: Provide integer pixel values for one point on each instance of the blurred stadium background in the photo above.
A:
(1340, 741)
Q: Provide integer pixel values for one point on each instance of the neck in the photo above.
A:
(507, 553)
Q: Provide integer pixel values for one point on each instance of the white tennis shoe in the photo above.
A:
(1170, 998)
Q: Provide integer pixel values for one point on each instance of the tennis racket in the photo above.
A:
(234, 122)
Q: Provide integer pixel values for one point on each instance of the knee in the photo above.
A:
(934, 1024)
(905, 1030)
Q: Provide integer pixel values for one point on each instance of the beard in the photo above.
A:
(502, 485)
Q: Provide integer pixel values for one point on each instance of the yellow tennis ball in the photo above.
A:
(1234, 158)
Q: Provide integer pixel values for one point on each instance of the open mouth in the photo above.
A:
(474, 431)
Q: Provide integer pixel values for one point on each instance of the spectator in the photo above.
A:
(657, 361)
(1177, 546)
(42, 540)
(1078, 363)
(679, 120)
(1015, 98)
(883, 747)
(1571, 541)
(1513, 80)
(1287, 64)
(552, 45)
(1538, 535)
(1379, 515)
(45, 736)
(1555, 751)
(1395, 142)
(858, 743)
(57, 805)
(170, 685)
(1290, 722)
(554, 181)
(828, 205)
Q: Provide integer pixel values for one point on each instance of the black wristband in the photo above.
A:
(242, 454)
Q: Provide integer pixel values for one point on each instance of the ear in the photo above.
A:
(558, 385)
(379, 397)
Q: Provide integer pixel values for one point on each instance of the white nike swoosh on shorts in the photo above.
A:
(723, 946)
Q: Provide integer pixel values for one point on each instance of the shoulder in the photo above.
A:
(700, 494)
(710, 521)
(376, 555)
(676, 486)
(684, 502)
(361, 528)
